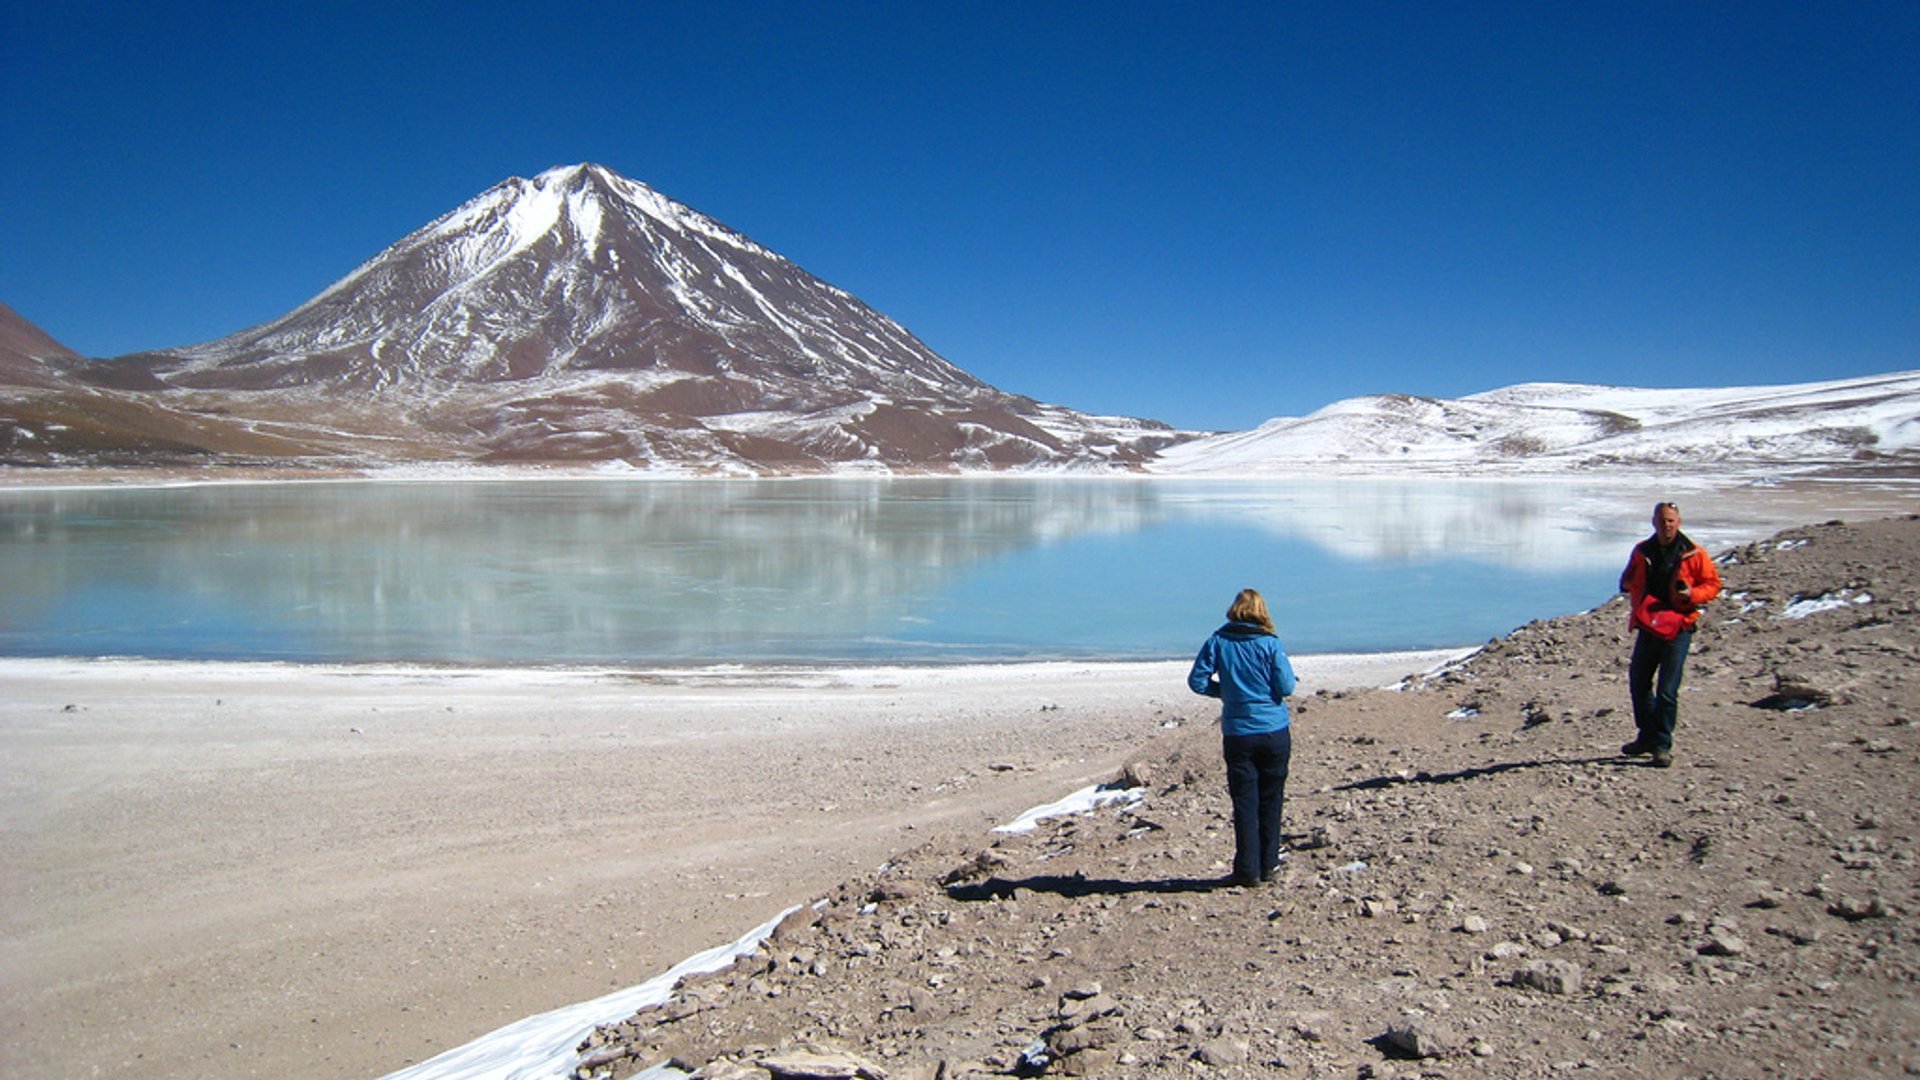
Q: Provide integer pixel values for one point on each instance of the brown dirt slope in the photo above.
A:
(1478, 884)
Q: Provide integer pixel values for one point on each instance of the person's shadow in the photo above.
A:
(1462, 775)
(1076, 885)
(1079, 885)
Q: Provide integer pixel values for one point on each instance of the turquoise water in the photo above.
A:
(677, 572)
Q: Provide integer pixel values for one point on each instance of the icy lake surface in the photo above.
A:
(638, 572)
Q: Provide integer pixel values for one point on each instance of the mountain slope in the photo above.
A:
(1538, 427)
(25, 350)
(583, 317)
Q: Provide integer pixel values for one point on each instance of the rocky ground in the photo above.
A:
(1478, 884)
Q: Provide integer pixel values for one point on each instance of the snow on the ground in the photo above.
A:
(1550, 427)
(1845, 598)
(543, 1046)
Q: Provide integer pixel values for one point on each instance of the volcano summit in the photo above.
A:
(582, 317)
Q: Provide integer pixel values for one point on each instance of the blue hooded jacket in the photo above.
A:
(1245, 667)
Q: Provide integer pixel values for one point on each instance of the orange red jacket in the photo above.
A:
(1696, 569)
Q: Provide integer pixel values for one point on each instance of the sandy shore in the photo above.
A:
(237, 870)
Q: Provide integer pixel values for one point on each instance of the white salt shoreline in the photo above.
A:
(1333, 670)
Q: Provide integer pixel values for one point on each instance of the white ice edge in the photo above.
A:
(1329, 670)
(544, 1046)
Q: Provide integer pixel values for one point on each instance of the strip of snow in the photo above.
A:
(1845, 598)
(1084, 801)
(544, 1047)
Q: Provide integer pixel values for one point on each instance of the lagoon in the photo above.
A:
(805, 571)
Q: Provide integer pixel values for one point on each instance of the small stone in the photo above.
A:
(1618, 886)
(1560, 977)
(1084, 1009)
(1473, 924)
(1855, 910)
(1319, 836)
(1721, 941)
(728, 1070)
(1098, 1061)
(1658, 984)
(809, 1065)
(1419, 1038)
(1066, 1042)
(1221, 1053)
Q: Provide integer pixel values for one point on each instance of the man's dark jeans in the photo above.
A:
(1653, 677)
(1257, 783)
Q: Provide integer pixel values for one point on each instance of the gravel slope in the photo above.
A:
(1479, 885)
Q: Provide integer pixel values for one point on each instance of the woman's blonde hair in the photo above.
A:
(1251, 608)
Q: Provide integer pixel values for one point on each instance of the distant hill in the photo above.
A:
(1541, 427)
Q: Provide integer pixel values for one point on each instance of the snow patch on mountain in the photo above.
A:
(1550, 427)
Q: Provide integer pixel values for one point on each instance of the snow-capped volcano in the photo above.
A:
(577, 270)
(580, 318)
(584, 317)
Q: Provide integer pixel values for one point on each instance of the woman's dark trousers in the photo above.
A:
(1257, 783)
(1653, 677)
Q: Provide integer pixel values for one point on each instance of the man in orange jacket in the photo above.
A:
(1668, 580)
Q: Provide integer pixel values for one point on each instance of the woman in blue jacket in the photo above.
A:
(1244, 666)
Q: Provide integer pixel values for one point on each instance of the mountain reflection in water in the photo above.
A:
(829, 570)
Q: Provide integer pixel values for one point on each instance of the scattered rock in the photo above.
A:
(1721, 941)
(1101, 945)
(1221, 1053)
(1420, 1039)
(809, 1065)
(1793, 692)
(1549, 976)
(1855, 910)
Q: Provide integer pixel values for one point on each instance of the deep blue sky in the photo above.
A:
(1211, 214)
